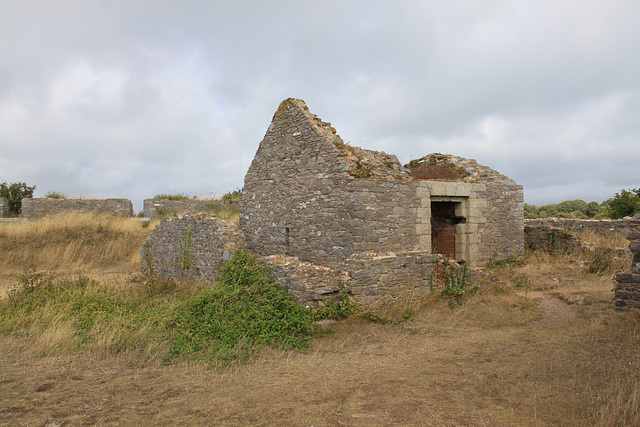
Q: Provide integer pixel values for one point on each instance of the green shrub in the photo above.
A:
(215, 324)
(14, 193)
(625, 203)
(243, 312)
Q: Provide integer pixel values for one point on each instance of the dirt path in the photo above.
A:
(445, 368)
(556, 313)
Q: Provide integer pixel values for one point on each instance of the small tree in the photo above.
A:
(14, 193)
(625, 203)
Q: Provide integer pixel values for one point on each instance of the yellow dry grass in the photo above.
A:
(101, 246)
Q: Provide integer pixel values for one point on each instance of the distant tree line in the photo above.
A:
(624, 203)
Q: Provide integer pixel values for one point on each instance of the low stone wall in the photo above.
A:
(627, 287)
(4, 208)
(390, 278)
(602, 226)
(373, 280)
(549, 239)
(154, 208)
(38, 208)
(193, 247)
(310, 285)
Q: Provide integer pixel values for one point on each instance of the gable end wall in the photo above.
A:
(299, 199)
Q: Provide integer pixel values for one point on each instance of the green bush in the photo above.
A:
(625, 203)
(14, 193)
(243, 312)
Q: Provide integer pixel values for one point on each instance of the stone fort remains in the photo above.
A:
(328, 218)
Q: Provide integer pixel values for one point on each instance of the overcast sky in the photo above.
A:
(134, 98)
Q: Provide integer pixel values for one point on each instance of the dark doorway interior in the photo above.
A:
(443, 228)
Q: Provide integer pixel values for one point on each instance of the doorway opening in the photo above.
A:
(443, 227)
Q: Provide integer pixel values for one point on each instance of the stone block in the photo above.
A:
(437, 188)
(422, 229)
(423, 190)
(463, 190)
(424, 213)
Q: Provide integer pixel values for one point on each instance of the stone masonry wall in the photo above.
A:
(301, 197)
(191, 247)
(549, 239)
(309, 195)
(38, 208)
(492, 205)
(4, 208)
(627, 287)
(310, 285)
(575, 225)
(154, 208)
(373, 280)
(502, 233)
(389, 278)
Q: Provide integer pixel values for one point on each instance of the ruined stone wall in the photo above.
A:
(38, 208)
(549, 239)
(604, 226)
(627, 287)
(502, 233)
(493, 205)
(310, 285)
(301, 197)
(154, 208)
(390, 278)
(371, 279)
(4, 208)
(190, 247)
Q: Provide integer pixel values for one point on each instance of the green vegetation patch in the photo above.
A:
(243, 312)
(55, 195)
(215, 324)
(172, 196)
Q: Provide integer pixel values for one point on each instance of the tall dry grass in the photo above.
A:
(608, 240)
(72, 244)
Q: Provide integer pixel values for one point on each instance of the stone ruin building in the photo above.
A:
(328, 218)
(310, 195)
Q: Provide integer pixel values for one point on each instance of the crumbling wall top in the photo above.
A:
(446, 167)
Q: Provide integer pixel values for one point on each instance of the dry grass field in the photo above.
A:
(538, 344)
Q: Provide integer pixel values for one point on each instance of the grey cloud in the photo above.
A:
(134, 98)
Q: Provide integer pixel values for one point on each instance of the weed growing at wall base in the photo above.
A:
(457, 283)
